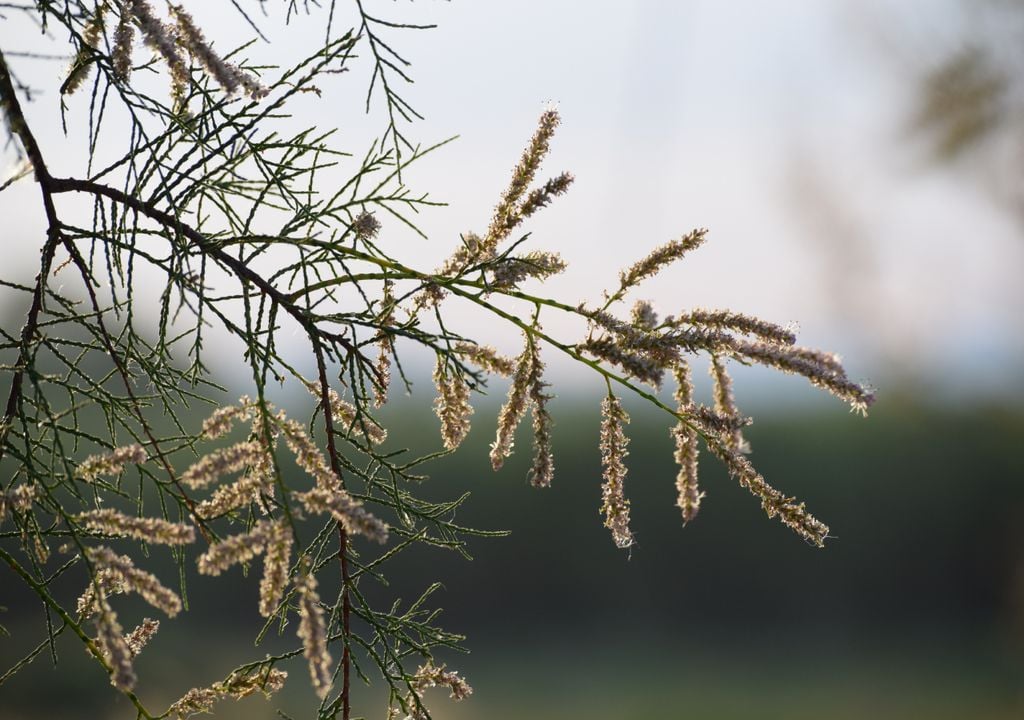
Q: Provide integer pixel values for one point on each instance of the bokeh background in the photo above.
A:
(861, 169)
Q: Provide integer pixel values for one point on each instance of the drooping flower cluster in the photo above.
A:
(526, 392)
(111, 463)
(686, 448)
(313, 633)
(614, 504)
(452, 405)
(154, 530)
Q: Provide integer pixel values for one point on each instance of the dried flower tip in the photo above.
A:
(235, 495)
(451, 406)
(154, 530)
(276, 562)
(738, 322)
(503, 220)
(790, 512)
(725, 404)
(111, 463)
(229, 77)
(139, 581)
(121, 58)
(313, 634)
(819, 372)
(643, 315)
(486, 357)
(223, 419)
(113, 647)
(366, 225)
(236, 549)
(686, 449)
(80, 65)
(662, 256)
(614, 504)
(514, 408)
(345, 509)
(344, 415)
(225, 461)
(512, 271)
(137, 639)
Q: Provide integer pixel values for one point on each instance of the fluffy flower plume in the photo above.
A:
(307, 454)
(108, 582)
(725, 403)
(452, 405)
(487, 358)
(230, 77)
(737, 322)
(234, 495)
(344, 415)
(223, 419)
(821, 369)
(510, 212)
(689, 494)
(162, 39)
(514, 408)
(541, 197)
(614, 504)
(659, 258)
(345, 509)
(121, 57)
(313, 634)
(111, 463)
(236, 549)
(153, 530)
(537, 264)
(643, 315)
(507, 214)
(113, 647)
(792, 513)
(542, 472)
(78, 70)
(231, 459)
(137, 639)
(276, 563)
(20, 499)
(122, 571)
(385, 347)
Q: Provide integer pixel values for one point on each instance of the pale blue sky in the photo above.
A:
(780, 126)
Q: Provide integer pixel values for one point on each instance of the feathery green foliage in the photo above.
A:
(211, 191)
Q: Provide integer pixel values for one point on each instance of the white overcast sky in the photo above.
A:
(781, 126)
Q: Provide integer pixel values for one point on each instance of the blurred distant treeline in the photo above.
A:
(925, 576)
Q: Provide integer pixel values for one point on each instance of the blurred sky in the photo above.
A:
(783, 127)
